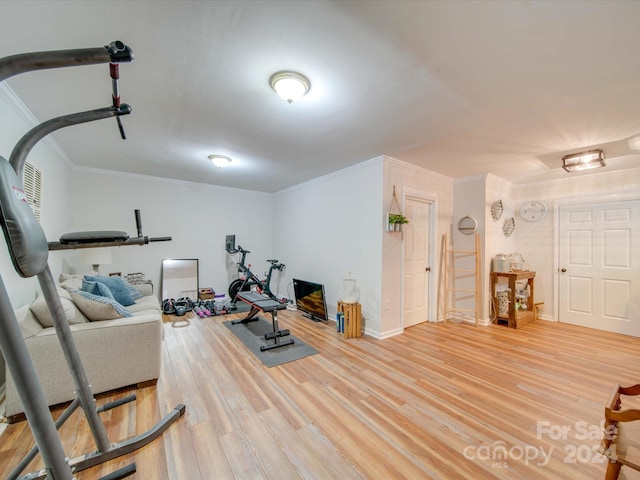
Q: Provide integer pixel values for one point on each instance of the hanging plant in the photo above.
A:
(395, 220)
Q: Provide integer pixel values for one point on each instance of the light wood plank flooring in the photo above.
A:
(440, 401)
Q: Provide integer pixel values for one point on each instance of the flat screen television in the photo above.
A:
(310, 299)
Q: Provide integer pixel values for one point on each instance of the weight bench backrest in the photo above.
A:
(25, 238)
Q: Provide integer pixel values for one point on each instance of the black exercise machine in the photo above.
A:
(29, 251)
(262, 303)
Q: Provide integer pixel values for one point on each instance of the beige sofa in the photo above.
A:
(115, 352)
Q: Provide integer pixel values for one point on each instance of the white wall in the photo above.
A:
(469, 200)
(330, 226)
(408, 177)
(495, 241)
(535, 240)
(15, 121)
(196, 216)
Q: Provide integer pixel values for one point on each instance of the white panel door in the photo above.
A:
(416, 268)
(599, 260)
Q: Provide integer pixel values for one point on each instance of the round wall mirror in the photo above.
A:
(467, 225)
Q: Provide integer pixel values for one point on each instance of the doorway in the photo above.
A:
(417, 260)
(598, 266)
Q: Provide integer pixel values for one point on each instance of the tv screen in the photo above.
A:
(310, 299)
(230, 244)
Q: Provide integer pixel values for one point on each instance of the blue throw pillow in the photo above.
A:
(96, 288)
(117, 286)
(135, 294)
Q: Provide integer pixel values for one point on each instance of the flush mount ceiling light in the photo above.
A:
(290, 86)
(220, 161)
(583, 161)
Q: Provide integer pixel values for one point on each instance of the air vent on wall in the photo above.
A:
(32, 180)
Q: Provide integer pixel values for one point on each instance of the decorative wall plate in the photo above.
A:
(509, 226)
(496, 210)
(533, 211)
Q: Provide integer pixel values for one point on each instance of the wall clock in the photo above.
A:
(533, 211)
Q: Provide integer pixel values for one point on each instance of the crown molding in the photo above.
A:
(13, 101)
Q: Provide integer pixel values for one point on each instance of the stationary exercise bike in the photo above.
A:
(248, 280)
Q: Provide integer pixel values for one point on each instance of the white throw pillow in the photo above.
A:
(69, 282)
(40, 310)
(98, 308)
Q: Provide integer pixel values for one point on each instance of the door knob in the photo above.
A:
(428, 269)
(563, 270)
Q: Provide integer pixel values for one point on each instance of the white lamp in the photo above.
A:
(583, 161)
(96, 257)
(290, 86)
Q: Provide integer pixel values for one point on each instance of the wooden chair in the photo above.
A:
(621, 441)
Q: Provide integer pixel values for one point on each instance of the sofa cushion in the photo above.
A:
(96, 307)
(40, 309)
(144, 289)
(97, 288)
(70, 281)
(148, 302)
(118, 288)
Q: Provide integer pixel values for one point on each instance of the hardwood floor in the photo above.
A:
(440, 401)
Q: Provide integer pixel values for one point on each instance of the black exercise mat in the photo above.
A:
(252, 335)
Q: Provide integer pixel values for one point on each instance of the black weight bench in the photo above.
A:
(262, 303)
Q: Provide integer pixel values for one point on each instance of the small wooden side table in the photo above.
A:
(352, 319)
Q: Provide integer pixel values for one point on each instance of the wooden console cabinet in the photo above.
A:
(515, 317)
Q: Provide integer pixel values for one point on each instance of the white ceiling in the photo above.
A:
(459, 87)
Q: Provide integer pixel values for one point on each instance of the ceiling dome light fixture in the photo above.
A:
(290, 86)
(220, 161)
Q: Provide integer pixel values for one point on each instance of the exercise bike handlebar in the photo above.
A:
(275, 265)
(241, 250)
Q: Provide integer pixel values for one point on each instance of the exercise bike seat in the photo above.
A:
(94, 237)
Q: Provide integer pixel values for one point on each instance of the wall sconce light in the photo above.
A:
(583, 161)
(220, 161)
(290, 86)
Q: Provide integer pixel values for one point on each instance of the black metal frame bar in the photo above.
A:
(12, 345)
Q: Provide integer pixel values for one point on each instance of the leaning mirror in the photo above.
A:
(180, 278)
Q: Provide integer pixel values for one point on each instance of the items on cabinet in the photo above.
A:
(513, 298)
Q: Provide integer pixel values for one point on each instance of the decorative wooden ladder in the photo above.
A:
(449, 276)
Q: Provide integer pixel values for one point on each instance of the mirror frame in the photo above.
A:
(165, 269)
